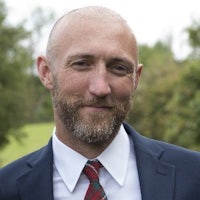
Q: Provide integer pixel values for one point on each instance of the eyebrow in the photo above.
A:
(75, 56)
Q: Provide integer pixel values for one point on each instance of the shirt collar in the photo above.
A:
(75, 162)
(111, 157)
(68, 162)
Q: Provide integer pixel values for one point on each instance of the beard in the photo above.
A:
(90, 127)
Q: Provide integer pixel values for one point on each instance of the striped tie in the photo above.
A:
(95, 190)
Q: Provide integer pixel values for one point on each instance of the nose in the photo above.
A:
(99, 83)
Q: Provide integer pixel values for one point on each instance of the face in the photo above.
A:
(93, 80)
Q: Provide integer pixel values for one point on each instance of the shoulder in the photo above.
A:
(167, 152)
(181, 164)
(11, 174)
(18, 166)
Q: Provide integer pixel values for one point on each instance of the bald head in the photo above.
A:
(80, 18)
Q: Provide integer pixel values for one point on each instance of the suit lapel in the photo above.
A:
(37, 181)
(157, 178)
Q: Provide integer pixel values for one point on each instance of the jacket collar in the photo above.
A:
(157, 177)
(36, 182)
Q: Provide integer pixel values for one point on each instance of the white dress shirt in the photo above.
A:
(119, 177)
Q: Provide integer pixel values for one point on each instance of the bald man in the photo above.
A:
(91, 70)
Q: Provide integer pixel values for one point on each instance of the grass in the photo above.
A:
(37, 135)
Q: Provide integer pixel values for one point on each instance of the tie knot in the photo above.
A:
(91, 170)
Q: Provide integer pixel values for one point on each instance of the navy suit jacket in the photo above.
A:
(166, 172)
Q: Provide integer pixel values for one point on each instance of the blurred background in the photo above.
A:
(166, 105)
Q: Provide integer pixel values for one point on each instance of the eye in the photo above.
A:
(120, 69)
(81, 65)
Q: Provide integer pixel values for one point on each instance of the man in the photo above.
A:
(91, 69)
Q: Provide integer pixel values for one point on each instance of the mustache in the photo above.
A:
(114, 104)
(99, 102)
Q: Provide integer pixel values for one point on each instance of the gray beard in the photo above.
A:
(98, 130)
(93, 128)
(94, 133)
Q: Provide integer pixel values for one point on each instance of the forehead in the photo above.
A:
(96, 30)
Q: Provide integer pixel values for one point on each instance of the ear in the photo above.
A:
(137, 75)
(44, 72)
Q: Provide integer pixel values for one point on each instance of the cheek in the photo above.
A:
(123, 89)
(73, 84)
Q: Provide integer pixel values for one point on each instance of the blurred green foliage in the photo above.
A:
(15, 59)
(21, 97)
(167, 102)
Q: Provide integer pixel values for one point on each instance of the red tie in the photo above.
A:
(95, 190)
